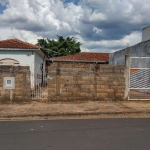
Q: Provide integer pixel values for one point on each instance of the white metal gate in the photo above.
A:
(39, 83)
(139, 78)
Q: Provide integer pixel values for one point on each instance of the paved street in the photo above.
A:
(88, 134)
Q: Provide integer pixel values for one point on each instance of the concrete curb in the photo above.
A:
(72, 114)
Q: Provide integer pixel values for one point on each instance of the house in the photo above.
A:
(86, 57)
(141, 49)
(138, 63)
(15, 52)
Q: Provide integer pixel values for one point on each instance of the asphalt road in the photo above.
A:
(90, 134)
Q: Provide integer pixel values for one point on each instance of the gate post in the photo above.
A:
(57, 80)
(127, 72)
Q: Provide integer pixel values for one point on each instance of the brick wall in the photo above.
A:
(22, 84)
(84, 81)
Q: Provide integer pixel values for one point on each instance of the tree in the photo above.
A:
(61, 47)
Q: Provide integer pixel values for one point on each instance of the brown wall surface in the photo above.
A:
(22, 84)
(84, 81)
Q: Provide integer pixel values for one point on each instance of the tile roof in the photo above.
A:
(85, 56)
(133, 70)
(15, 43)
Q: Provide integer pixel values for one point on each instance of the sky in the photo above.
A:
(99, 25)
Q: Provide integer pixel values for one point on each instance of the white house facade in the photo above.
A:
(16, 52)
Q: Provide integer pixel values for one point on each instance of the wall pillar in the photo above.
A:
(127, 72)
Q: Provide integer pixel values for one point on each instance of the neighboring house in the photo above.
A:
(18, 53)
(141, 49)
(139, 66)
(87, 57)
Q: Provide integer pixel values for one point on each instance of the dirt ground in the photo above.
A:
(75, 110)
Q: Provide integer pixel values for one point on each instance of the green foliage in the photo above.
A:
(61, 47)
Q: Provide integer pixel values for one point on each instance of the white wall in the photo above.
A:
(25, 58)
(39, 61)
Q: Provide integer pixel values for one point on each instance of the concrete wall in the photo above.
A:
(139, 50)
(25, 58)
(22, 84)
(146, 33)
(83, 81)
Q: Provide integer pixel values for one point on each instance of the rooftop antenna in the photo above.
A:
(127, 44)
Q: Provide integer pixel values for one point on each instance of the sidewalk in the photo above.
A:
(36, 109)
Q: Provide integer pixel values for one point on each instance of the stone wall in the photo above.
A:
(85, 81)
(21, 92)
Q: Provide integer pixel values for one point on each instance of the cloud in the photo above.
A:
(111, 45)
(4, 2)
(42, 16)
(116, 18)
(8, 33)
(99, 25)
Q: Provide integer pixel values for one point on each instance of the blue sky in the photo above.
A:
(2, 8)
(73, 1)
(100, 25)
